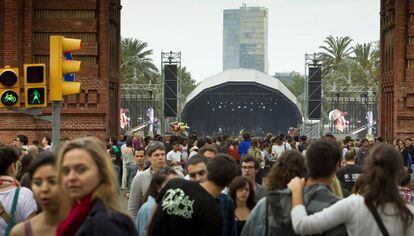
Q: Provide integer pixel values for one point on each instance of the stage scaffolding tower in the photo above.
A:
(171, 58)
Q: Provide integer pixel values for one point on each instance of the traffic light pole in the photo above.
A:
(56, 124)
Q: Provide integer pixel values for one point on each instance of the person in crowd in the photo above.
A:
(303, 143)
(42, 172)
(406, 153)
(279, 146)
(292, 142)
(16, 203)
(348, 143)
(405, 191)
(147, 141)
(290, 164)
(363, 152)
(136, 140)
(88, 182)
(224, 145)
(158, 181)
(32, 151)
(197, 172)
(208, 151)
(184, 149)
(378, 210)
(121, 140)
(255, 152)
(174, 156)
(242, 193)
(233, 150)
(249, 169)
(189, 208)
(395, 143)
(24, 166)
(140, 183)
(22, 141)
(130, 165)
(400, 145)
(348, 173)
(140, 160)
(197, 168)
(193, 151)
(322, 159)
(116, 157)
(46, 144)
(379, 140)
(244, 145)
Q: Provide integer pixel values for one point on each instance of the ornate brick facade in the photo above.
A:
(397, 69)
(25, 27)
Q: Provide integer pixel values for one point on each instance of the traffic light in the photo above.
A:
(9, 87)
(59, 66)
(35, 85)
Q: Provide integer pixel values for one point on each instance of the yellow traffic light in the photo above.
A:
(59, 66)
(35, 85)
(9, 87)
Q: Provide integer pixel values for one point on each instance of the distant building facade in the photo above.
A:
(245, 38)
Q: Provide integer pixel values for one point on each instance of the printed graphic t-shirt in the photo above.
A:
(185, 208)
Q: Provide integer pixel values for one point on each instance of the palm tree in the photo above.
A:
(366, 61)
(335, 53)
(136, 66)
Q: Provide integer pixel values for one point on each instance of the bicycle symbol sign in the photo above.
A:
(9, 98)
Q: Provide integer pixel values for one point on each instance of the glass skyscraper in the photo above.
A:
(245, 38)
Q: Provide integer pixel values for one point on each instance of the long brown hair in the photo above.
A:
(289, 165)
(238, 183)
(106, 190)
(382, 170)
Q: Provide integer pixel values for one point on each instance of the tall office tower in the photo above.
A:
(245, 38)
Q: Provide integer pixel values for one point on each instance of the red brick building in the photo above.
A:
(25, 27)
(397, 69)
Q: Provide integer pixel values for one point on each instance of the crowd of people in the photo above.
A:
(189, 185)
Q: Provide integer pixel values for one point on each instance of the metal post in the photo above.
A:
(56, 124)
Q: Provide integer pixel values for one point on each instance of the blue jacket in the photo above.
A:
(101, 222)
(243, 148)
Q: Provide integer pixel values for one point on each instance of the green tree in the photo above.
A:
(136, 66)
(365, 64)
(296, 85)
(188, 84)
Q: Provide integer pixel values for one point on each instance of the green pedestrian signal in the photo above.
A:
(36, 96)
(35, 85)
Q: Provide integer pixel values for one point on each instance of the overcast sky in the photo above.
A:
(195, 27)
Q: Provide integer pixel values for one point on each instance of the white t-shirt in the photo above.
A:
(174, 156)
(26, 205)
(192, 153)
(279, 149)
(344, 151)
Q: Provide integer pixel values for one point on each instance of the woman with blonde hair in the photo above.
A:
(87, 180)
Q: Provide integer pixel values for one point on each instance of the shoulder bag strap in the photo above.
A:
(13, 210)
(377, 218)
